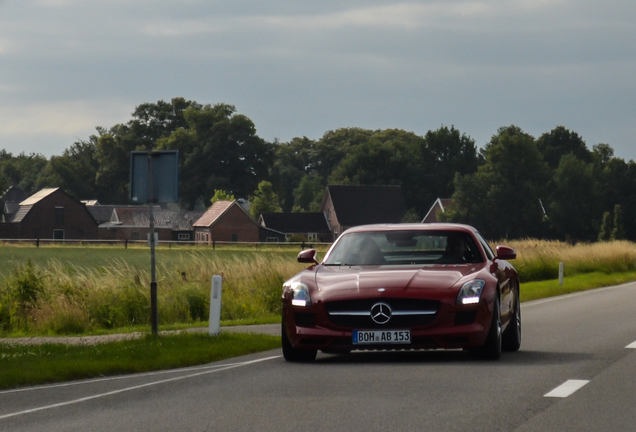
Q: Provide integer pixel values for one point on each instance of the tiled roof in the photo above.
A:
(360, 205)
(101, 213)
(213, 213)
(296, 222)
(139, 217)
(20, 213)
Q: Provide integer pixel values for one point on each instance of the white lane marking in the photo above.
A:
(631, 345)
(566, 389)
(116, 378)
(84, 399)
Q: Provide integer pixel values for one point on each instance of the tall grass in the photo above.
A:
(62, 298)
(75, 290)
(539, 259)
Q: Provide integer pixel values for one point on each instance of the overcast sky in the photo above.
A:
(301, 68)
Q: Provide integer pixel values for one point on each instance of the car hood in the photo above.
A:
(345, 279)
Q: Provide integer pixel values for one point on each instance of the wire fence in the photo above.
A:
(125, 243)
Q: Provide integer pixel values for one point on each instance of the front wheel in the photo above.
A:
(491, 350)
(512, 335)
(292, 354)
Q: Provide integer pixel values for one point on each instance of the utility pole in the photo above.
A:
(154, 317)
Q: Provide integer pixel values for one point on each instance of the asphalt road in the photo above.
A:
(582, 340)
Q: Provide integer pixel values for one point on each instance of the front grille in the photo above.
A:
(406, 313)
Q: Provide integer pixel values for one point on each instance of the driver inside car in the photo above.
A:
(370, 253)
(455, 250)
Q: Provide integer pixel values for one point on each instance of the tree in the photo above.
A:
(152, 121)
(606, 228)
(22, 171)
(391, 157)
(618, 232)
(502, 198)
(112, 152)
(309, 193)
(574, 210)
(264, 200)
(222, 196)
(560, 142)
(75, 171)
(218, 150)
(293, 161)
(616, 182)
(411, 216)
(334, 146)
(453, 153)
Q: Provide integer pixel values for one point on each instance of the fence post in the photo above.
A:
(560, 274)
(215, 305)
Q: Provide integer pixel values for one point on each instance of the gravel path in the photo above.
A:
(270, 329)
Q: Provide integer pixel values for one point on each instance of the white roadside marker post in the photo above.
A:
(215, 305)
(560, 274)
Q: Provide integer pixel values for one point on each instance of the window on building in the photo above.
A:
(271, 239)
(183, 236)
(58, 234)
(312, 236)
(234, 238)
(134, 236)
(59, 215)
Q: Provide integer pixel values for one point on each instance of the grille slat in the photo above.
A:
(356, 314)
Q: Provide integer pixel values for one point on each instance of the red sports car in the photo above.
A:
(404, 286)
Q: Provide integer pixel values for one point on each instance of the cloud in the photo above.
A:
(75, 118)
(406, 16)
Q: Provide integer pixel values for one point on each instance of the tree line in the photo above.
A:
(516, 186)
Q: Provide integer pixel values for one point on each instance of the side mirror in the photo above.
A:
(506, 253)
(307, 256)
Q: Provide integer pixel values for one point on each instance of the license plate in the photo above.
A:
(381, 337)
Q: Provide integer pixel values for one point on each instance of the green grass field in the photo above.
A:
(72, 289)
(93, 290)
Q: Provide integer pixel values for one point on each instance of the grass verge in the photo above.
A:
(39, 364)
(142, 328)
(579, 282)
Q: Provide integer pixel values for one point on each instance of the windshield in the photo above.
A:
(404, 248)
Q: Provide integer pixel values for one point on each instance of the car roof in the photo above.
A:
(412, 227)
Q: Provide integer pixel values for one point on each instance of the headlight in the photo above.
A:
(299, 293)
(470, 292)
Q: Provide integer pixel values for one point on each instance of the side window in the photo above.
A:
(486, 246)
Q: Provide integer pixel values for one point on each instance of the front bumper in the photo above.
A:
(452, 327)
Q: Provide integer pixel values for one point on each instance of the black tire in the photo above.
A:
(292, 354)
(511, 340)
(491, 350)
